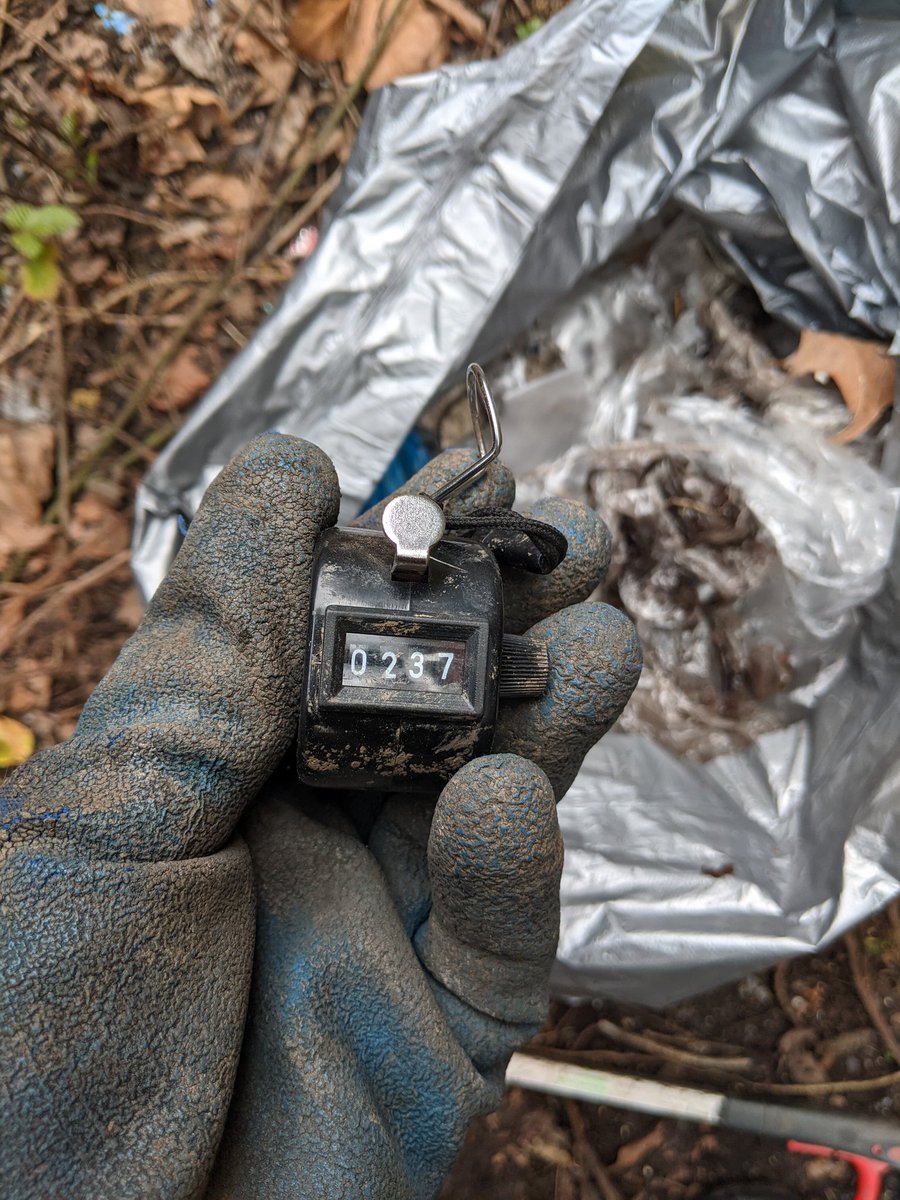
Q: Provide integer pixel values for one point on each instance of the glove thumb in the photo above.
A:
(495, 858)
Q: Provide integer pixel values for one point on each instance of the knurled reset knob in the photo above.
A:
(524, 667)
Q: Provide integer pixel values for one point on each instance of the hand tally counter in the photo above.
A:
(408, 660)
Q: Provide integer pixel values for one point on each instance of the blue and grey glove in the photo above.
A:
(217, 983)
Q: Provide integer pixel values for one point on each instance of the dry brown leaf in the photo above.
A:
(26, 481)
(198, 54)
(194, 229)
(98, 530)
(187, 377)
(232, 192)
(316, 30)
(165, 156)
(420, 41)
(460, 14)
(161, 12)
(87, 270)
(24, 44)
(863, 372)
(152, 73)
(176, 104)
(274, 69)
(31, 688)
(229, 195)
(292, 123)
(77, 46)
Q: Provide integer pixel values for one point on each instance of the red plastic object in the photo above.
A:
(870, 1172)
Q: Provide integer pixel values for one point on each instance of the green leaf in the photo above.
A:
(70, 128)
(53, 220)
(16, 742)
(29, 245)
(41, 277)
(527, 28)
(18, 216)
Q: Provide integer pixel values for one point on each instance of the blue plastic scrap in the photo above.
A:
(121, 23)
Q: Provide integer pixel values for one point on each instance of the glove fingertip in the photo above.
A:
(528, 598)
(277, 470)
(495, 856)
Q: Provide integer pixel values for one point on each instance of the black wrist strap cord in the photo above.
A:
(514, 539)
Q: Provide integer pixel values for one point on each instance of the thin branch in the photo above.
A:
(642, 1041)
(36, 154)
(322, 193)
(586, 1156)
(830, 1087)
(73, 588)
(867, 994)
(61, 376)
(781, 988)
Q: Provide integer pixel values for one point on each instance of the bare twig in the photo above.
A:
(893, 913)
(642, 1041)
(829, 1088)
(265, 147)
(634, 1153)
(73, 588)
(41, 43)
(29, 335)
(239, 26)
(35, 153)
(781, 988)
(585, 1155)
(627, 1059)
(12, 310)
(867, 994)
(61, 376)
(490, 38)
(146, 447)
(299, 218)
(127, 214)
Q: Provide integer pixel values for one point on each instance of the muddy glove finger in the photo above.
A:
(202, 701)
(530, 598)
(494, 860)
(595, 663)
(495, 489)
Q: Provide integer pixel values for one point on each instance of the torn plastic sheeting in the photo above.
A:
(477, 197)
(693, 872)
(702, 871)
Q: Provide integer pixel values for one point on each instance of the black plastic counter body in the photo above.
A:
(402, 680)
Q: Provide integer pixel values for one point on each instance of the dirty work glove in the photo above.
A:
(216, 983)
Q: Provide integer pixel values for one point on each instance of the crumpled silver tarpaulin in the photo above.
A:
(477, 198)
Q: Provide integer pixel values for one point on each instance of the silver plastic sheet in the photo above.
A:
(479, 197)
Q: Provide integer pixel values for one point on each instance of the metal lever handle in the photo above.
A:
(415, 523)
(483, 411)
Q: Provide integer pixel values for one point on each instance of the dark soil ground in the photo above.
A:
(802, 1024)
